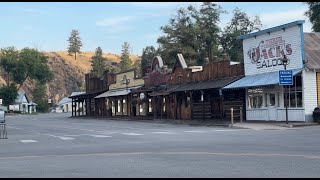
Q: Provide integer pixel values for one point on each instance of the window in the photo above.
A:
(255, 98)
(124, 107)
(164, 104)
(187, 104)
(294, 97)
(150, 105)
(272, 99)
(119, 106)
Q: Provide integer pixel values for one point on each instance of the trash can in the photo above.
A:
(316, 115)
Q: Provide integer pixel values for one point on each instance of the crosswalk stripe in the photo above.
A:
(164, 132)
(28, 141)
(96, 135)
(66, 138)
(131, 134)
(196, 131)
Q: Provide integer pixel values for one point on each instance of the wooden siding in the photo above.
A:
(318, 88)
(290, 36)
(309, 93)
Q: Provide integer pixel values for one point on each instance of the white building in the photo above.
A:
(263, 54)
(65, 104)
(21, 103)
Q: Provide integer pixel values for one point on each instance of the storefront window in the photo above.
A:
(255, 98)
(119, 106)
(272, 99)
(164, 104)
(150, 106)
(294, 96)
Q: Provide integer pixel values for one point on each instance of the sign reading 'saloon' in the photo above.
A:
(264, 52)
(269, 52)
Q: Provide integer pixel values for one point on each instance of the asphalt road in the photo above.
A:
(53, 145)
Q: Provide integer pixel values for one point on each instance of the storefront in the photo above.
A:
(263, 58)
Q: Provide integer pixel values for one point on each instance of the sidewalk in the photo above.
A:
(271, 125)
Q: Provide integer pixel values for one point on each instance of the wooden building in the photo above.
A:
(117, 101)
(94, 87)
(194, 94)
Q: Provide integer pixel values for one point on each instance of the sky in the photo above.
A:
(47, 25)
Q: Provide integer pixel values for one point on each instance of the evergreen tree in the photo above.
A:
(98, 63)
(125, 62)
(74, 43)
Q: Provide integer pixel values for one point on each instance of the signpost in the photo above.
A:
(285, 78)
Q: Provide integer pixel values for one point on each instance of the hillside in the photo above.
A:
(68, 72)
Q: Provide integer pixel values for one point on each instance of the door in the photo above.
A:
(273, 102)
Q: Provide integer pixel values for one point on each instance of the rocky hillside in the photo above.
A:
(68, 73)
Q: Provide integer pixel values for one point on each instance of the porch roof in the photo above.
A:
(210, 84)
(264, 79)
(117, 92)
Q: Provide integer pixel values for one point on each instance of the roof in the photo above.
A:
(256, 80)
(32, 104)
(312, 50)
(87, 94)
(76, 93)
(64, 100)
(20, 97)
(277, 28)
(117, 92)
(167, 89)
(211, 84)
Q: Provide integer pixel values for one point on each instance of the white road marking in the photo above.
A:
(132, 134)
(164, 132)
(97, 135)
(28, 141)
(226, 130)
(196, 131)
(65, 138)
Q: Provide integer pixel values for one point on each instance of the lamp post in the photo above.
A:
(285, 63)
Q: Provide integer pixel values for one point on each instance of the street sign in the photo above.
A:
(285, 77)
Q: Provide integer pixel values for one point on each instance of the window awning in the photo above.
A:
(117, 92)
(263, 79)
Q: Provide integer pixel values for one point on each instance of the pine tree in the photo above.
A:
(98, 63)
(74, 43)
(125, 62)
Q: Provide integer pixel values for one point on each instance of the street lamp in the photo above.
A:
(285, 63)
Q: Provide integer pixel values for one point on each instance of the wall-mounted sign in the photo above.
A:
(264, 53)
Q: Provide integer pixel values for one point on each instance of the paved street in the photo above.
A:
(53, 145)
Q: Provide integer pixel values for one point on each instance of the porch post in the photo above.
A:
(202, 98)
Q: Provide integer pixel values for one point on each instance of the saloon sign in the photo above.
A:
(269, 52)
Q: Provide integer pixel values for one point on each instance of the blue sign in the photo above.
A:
(285, 77)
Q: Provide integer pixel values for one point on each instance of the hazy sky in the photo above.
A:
(47, 25)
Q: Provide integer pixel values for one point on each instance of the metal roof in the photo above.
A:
(312, 50)
(277, 28)
(263, 79)
(211, 84)
(117, 92)
(64, 100)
